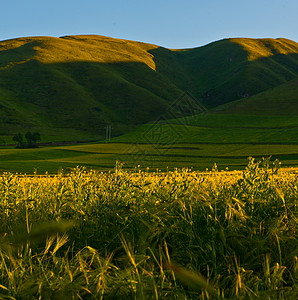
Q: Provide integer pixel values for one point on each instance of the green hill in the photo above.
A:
(80, 83)
(232, 69)
(281, 100)
(71, 87)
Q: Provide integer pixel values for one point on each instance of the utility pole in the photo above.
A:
(108, 133)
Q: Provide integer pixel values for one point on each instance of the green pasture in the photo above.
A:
(104, 156)
(195, 142)
(215, 128)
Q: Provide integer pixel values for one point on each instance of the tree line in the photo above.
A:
(30, 142)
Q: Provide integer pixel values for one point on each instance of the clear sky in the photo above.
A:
(168, 23)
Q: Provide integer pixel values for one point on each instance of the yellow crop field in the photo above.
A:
(136, 234)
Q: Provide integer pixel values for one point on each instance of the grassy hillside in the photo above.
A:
(217, 129)
(281, 100)
(81, 82)
(232, 69)
(71, 87)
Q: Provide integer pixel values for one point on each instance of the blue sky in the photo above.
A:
(168, 23)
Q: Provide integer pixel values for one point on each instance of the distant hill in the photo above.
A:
(279, 101)
(78, 84)
(232, 69)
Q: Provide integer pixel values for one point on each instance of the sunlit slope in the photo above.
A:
(86, 82)
(262, 48)
(81, 82)
(232, 69)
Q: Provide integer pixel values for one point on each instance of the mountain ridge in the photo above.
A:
(87, 81)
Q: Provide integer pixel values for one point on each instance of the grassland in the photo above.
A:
(281, 100)
(144, 235)
(154, 156)
(81, 83)
(195, 142)
(159, 226)
(223, 129)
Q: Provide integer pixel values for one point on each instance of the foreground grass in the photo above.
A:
(141, 235)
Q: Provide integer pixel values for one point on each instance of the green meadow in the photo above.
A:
(194, 142)
(79, 84)
(154, 156)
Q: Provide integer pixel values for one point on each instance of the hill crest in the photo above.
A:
(260, 48)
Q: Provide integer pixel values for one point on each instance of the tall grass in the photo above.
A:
(150, 235)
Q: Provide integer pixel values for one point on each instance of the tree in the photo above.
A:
(32, 139)
(18, 138)
(36, 136)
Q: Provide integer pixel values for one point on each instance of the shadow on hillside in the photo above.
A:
(220, 72)
(89, 95)
(18, 54)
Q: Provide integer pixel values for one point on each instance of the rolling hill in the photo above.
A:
(234, 69)
(71, 87)
(281, 100)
